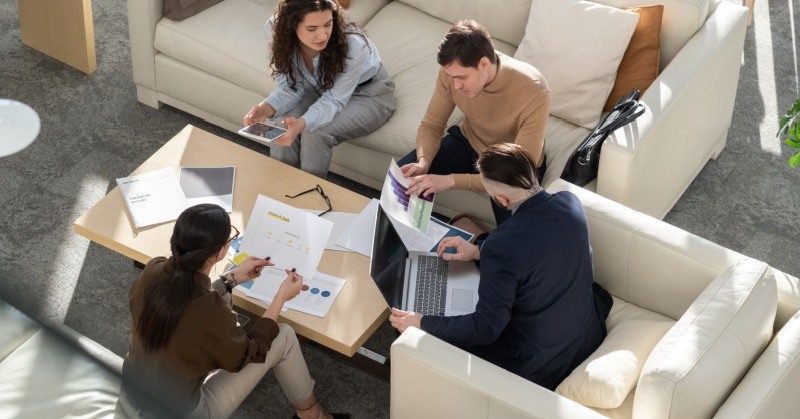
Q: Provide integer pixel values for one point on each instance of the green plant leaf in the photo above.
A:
(794, 161)
(792, 143)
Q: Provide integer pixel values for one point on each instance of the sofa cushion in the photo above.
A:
(702, 358)
(16, 329)
(228, 42)
(639, 65)
(577, 45)
(48, 378)
(606, 378)
(769, 390)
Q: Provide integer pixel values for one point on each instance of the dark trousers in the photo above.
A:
(456, 156)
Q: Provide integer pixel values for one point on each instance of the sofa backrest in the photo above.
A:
(645, 261)
(681, 19)
(506, 20)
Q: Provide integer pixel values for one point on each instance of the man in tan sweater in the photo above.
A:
(502, 99)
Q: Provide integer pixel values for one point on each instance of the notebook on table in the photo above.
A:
(420, 281)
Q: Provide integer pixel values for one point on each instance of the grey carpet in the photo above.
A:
(94, 130)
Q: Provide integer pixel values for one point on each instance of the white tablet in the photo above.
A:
(262, 133)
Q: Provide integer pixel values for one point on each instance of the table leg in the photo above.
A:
(62, 29)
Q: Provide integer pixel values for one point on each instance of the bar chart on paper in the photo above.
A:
(411, 210)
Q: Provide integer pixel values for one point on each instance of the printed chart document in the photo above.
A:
(413, 211)
(417, 241)
(208, 185)
(316, 297)
(153, 197)
(292, 237)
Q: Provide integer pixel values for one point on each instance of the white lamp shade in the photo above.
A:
(19, 126)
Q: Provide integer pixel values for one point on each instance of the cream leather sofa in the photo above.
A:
(214, 65)
(53, 372)
(714, 359)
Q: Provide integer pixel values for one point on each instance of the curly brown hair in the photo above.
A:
(285, 44)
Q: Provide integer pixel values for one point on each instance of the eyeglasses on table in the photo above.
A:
(321, 192)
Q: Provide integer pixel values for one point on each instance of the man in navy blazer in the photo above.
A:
(539, 314)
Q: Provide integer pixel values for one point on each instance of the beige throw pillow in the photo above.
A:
(577, 45)
(606, 378)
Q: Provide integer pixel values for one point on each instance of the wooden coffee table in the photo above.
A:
(358, 310)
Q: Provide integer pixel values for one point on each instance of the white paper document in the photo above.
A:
(293, 238)
(413, 211)
(341, 221)
(316, 297)
(358, 236)
(417, 241)
(152, 197)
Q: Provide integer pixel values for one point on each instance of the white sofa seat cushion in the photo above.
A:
(47, 378)
(577, 45)
(606, 378)
(702, 358)
(226, 40)
(769, 390)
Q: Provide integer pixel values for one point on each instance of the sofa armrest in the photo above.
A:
(648, 164)
(431, 378)
(646, 261)
(143, 16)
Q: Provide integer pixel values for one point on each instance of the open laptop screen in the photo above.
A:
(388, 260)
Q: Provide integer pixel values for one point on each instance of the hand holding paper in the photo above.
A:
(413, 211)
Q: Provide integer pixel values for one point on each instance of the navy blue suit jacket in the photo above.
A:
(536, 314)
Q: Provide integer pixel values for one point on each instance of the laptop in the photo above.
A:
(420, 281)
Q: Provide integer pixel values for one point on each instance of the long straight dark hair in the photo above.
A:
(199, 234)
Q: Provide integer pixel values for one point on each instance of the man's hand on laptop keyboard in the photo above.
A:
(400, 319)
(464, 249)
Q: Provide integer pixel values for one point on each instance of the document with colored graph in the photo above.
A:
(413, 211)
(315, 298)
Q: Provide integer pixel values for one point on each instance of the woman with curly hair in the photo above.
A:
(331, 84)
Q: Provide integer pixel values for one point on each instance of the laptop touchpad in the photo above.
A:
(462, 300)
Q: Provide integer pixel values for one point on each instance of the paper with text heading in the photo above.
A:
(153, 197)
(291, 237)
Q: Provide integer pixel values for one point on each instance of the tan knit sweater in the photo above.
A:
(512, 108)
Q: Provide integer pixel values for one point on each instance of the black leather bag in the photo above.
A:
(581, 168)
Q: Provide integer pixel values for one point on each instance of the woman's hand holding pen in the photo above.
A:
(291, 286)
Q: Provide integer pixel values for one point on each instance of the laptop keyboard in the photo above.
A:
(431, 293)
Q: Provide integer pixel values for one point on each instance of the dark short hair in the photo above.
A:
(510, 164)
(466, 42)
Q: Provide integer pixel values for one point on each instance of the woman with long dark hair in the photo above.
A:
(332, 86)
(188, 354)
